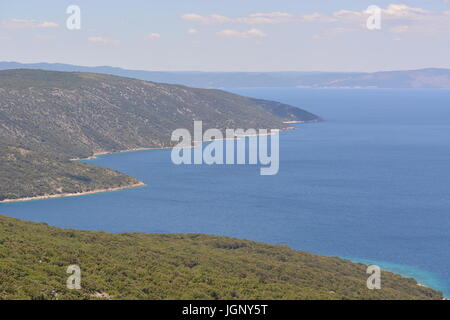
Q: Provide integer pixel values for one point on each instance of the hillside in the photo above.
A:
(74, 115)
(34, 258)
(24, 173)
(405, 79)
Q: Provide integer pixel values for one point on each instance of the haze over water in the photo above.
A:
(371, 182)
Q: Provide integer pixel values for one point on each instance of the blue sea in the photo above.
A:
(371, 183)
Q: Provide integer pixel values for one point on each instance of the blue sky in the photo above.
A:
(245, 35)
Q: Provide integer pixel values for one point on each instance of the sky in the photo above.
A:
(232, 35)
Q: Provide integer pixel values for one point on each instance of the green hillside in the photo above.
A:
(25, 173)
(73, 115)
(34, 259)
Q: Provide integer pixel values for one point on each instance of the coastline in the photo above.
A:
(423, 278)
(299, 121)
(100, 153)
(65, 195)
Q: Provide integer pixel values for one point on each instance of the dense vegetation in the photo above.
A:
(25, 173)
(34, 259)
(73, 115)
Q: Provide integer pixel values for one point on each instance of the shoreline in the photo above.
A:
(101, 153)
(422, 277)
(299, 121)
(76, 194)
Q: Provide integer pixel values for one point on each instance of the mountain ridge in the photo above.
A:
(74, 115)
(415, 78)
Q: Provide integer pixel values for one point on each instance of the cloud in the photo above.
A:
(252, 33)
(254, 18)
(153, 36)
(47, 24)
(315, 17)
(394, 17)
(26, 23)
(192, 31)
(211, 19)
(101, 40)
(266, 18)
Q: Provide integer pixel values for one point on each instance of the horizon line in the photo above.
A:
(219, 71)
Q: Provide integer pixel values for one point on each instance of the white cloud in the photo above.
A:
(254, 18)
(101, 40)
(315, 17)
(391, 12)
(402, 11)
(266, 18)
(47, 24)
(211, 19)
(26, 23)
(256, 33)
(395, 18)
(153, 36)
(192, 31)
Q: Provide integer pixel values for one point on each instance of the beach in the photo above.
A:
(63, 195)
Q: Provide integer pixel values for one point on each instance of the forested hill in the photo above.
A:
(26, 174)
(73, 115)
(34, 259)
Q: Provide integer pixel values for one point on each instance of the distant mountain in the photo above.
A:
(424, 78)
(72, 115)
(27, 174)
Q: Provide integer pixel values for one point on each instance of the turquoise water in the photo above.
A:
(423, 277)
(371, 183)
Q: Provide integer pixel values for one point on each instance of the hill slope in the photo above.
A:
(34, 259)
(76, 114)
(24, 174)
(422, 78)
